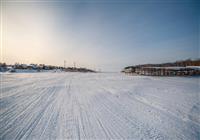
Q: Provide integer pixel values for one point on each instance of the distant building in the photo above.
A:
(167, 69)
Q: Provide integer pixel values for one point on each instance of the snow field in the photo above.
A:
(98, 106)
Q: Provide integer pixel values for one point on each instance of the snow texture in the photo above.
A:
(43, 106)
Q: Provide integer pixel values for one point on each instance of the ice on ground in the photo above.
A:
(98, 106)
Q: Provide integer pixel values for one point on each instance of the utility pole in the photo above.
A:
(64, 63)
(74, 64)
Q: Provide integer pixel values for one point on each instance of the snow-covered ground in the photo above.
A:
(98, 106)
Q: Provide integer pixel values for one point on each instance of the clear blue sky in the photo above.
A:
(107, 35)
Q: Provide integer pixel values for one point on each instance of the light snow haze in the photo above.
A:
(104, 34)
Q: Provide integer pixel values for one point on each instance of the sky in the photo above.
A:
(99, 34)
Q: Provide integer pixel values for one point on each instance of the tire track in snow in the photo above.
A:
(25, 114)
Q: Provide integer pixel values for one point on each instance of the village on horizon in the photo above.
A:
(17, 67)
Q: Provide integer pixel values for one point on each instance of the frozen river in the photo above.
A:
(98, 106)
